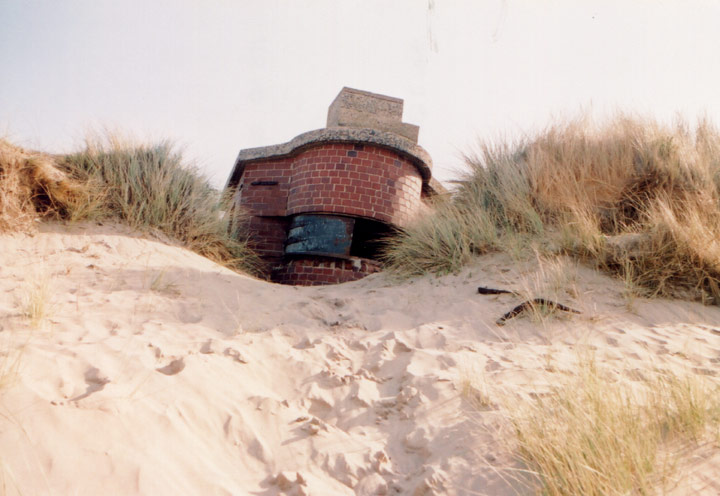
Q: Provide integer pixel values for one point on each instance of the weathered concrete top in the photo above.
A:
(354, 116)
(416, 153)
(362, 109)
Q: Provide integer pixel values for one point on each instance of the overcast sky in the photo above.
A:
(218, 76)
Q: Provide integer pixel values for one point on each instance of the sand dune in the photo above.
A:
(157, 371)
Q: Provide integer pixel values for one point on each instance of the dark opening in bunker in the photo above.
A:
(368, 237)
(335, 235)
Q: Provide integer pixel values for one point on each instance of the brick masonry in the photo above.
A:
(340, 178)
(268, 237)
(319, 271)
(365, 164)
(359, 180)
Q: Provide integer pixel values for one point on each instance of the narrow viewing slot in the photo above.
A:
(264, 183)
(368, 238)
(336, 236)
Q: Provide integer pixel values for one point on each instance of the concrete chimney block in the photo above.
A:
(362, 109)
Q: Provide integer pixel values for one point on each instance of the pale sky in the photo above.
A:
(218, 76)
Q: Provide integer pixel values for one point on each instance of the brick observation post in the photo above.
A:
(320, 205)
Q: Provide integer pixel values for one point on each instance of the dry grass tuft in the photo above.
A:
(36, 305)
(10, 361)
(31, 186)
(160, 283)
(592, 436)
(638, 199)
(149, 187)
(442, 242)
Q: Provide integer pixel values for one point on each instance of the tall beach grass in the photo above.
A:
(636, 198)
(150, 187)
(594, 436)
(31, 186)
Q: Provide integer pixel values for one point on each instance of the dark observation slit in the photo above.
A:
(368, 238)
(336, 236)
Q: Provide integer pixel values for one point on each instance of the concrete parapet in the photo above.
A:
(362, 109)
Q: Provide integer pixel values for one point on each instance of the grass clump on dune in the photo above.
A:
(151, 187)
(639, 199)
(31, 185)
(597, 437)
(147, 186)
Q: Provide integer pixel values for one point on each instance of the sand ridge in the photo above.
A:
(159, 372)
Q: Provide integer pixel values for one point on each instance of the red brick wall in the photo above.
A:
(319, 270)
(268, 236)
(265, 199)
(341, 178)
(360, 180)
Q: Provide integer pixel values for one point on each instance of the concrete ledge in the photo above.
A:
(420, 158)
(365, 110)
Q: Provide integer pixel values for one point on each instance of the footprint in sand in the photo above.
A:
(212, 346)
(401, 347)
(704, 371)
(95, 382)
(492, 365)
(157, 352)
(174, 367)
(286, 480)
(190, 315)
(338, 302)
(235, 355)
(371, 484)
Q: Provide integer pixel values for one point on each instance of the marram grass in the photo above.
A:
(595, 436)
(147, 186)
(636, 198)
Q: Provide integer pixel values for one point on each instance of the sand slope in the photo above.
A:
(160, 372)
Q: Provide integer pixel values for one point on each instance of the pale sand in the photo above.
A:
(159, 372)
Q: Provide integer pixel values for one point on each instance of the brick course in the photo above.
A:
(340, 178)
(360, 180)
(268, 237)
(265, 199)
(315, 271)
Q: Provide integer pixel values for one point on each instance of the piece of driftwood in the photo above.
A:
(490, 291)
(529, 305)
(524, 306)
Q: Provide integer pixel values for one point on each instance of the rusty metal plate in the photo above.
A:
(320, 234)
